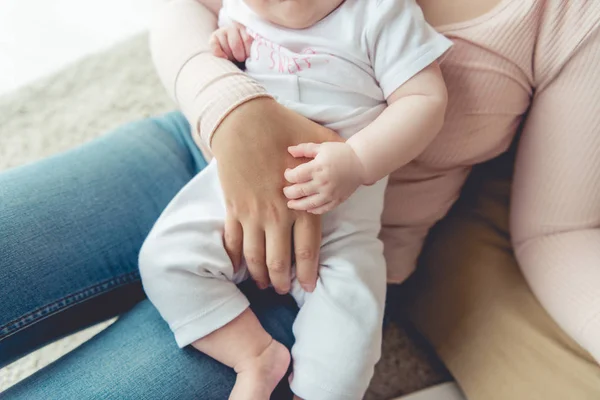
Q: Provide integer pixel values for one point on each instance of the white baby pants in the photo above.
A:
(190, 279)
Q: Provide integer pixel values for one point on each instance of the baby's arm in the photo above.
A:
(231, 42)
(407, 126)
(410, 123)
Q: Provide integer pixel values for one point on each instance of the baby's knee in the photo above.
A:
(162, 257)
(150, 260)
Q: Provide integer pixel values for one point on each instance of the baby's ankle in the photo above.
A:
(257, 377)
(274, 353)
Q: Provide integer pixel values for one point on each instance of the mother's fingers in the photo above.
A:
(279, 259)
(254, 253)
(307, 244)
(232, 241)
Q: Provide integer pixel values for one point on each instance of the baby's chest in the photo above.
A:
(317, 63)
(268, 57)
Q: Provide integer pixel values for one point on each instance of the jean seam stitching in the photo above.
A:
(65, 302)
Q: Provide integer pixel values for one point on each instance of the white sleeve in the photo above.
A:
(400, 42)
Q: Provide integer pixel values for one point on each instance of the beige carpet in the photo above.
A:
(98, 94)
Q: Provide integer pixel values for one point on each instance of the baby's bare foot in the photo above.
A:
(258, 377)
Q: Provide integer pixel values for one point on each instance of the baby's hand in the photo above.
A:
(326, 181)
(231, 42)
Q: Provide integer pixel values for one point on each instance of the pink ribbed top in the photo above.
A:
(531, 62)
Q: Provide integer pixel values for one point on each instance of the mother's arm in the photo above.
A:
(249, 133)
(555, 217)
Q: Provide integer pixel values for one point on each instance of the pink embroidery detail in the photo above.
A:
(279, 56)
(298, 68)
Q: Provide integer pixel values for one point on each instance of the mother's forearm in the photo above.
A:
(179, 33)
(205, 88)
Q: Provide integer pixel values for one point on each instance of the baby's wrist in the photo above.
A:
(362, 170)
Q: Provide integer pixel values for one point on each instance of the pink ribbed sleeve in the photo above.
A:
(555, 215)
(204, 87)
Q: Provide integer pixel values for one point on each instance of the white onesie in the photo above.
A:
(338, 73)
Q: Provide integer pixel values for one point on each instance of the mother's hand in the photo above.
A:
(251, 148)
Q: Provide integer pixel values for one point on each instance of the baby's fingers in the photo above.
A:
(323, 209)
(223, 38)
(302, 173)
(237, 45)
(215, 45)
(247, 40)
(308, 203)
(306, 150)
(300, 190)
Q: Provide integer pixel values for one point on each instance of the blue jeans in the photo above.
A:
(71, 227)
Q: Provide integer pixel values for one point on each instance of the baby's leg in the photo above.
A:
(338, 329)
(259, 361)
(190, 280)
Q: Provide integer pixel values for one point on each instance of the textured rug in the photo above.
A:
(100, 93)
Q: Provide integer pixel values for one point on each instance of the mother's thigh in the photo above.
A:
(137, 358)
(473, 304)
(71, 227)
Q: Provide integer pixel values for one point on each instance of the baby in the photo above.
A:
(366, 69)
